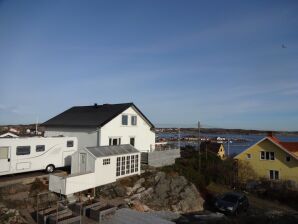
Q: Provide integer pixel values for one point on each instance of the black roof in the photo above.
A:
(90, 116)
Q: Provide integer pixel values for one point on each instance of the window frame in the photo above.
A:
(23, 146)
(111, 140)
(134, 118)
(106, 161)
(70, 143)
(248, 156)
(122, 120)
(134, 140)
(274, 174)
(38, 150)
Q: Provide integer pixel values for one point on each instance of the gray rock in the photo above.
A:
(159, 175)
(141, 189)
(120, 191)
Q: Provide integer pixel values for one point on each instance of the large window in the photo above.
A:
(23, 150)
(267, 155)
(127, 165)
(122, 165)
(273, 174)
(136, 163)
(134, 120)
(124, 120)
(132, 168)
(40, 148)
(118, 167)
(114, 141)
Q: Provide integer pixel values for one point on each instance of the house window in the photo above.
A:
(136, 163)
(273, 174)
(122, 165)
(267, 155)
(124, 119)
(114, 141)
(127, 164)
(118, 167)
(23, 150)
(69, 144)
(134, 120)
(272, 157)
(132, 141)
(288, 158)
(262, 155)
(106, 161)
(132, 168)
(40, 148)
(248, 156)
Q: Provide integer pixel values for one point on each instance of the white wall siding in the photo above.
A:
(75, 162)
(144, 137)
(86, 136)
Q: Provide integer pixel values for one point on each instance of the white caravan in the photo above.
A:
(19, 155)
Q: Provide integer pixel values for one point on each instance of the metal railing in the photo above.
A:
(162, 146)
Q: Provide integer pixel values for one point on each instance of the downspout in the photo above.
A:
(98, 136)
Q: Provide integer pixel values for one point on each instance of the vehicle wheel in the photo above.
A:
(50, 168)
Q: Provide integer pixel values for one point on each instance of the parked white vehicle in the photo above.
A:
(19, 155)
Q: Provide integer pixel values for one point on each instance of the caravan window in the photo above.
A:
(69, 143)
(23, 150)
(40, 148)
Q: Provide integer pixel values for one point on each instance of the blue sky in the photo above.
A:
(220, 62)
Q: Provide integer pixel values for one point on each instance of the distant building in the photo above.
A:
(214, 147)
(8, 135)
(272, 159)
(103, 125)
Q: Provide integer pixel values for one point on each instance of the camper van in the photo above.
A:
(19, 155)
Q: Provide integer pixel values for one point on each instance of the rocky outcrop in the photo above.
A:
(9, 216)
(157, 191)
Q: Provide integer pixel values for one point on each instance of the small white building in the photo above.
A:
(96, 166)
(102, 125)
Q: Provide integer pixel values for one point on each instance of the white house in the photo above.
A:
(96, 166)
(102, 125)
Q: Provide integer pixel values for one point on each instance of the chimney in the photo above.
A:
(270, 134)
(95, 105)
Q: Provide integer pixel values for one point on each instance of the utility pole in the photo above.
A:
(228, 147)
(36, 126)
(179, 136)
(199, 145)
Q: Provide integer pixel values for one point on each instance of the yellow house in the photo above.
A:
(213, 147)
(273, 159)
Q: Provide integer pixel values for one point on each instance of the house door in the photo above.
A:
(83, 162)
(4, 159)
